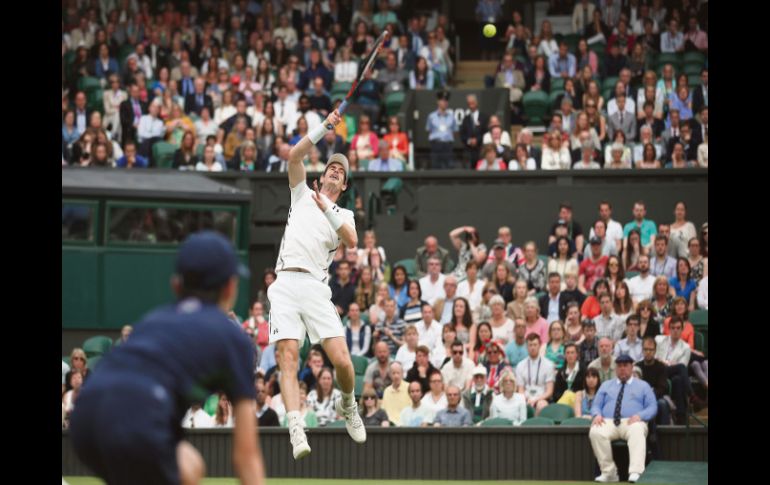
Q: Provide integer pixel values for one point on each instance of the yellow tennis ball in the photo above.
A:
(489, 30)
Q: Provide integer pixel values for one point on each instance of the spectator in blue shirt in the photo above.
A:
(453, 414)
(130, 159)
(384, 162)
(621, 410)
(441, 127)
(562, 64)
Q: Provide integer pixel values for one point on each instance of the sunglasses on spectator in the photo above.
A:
(78, 358)
(457, 352)
(367, 398)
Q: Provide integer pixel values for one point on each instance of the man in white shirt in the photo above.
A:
(432, 284)
(614, 229)
(435, 399)
(285, 109)
(472, 288)
(418, 413)
(675, 353)
(196, 417)
(428, 329)
(535, 376)
(632, 344)
(640, 286)
(672, 40)
(458, 371)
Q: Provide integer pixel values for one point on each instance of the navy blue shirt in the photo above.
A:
(191, 349)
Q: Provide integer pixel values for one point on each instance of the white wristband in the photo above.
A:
(333, 216)
(317, 133)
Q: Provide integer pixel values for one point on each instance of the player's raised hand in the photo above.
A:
(317, 196)
(333, 119)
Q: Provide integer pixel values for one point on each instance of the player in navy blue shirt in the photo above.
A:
(127, 423)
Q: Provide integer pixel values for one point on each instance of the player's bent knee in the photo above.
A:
(192, 468)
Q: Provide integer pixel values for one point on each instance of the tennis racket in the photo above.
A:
(365, 66)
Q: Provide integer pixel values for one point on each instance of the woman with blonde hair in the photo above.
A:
(515, 309)
(79, 363)
(377, 310)
(509, 404)
(662, 297)
(502, 326)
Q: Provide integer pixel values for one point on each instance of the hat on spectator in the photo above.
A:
(588, 323)
(498, 244)
(624, 359)
(561, 222)
(480, 370)
(496, 343)
(595, 240)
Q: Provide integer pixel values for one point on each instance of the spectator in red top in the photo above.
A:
(365, 143)
(490, 162)
(257, 325)
(623, 38)
(397, 140)
(591, 306)
(592, 267)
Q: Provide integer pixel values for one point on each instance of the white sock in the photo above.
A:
(348, 399)
(294, 419)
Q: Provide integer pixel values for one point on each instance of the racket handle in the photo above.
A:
(341, 109)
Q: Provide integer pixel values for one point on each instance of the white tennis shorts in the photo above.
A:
(301, 304)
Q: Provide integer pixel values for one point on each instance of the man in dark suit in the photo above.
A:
(700, 95)
(330, 144)
(240, 111)
(82, 113)
(194, 103)
(473, 128)
(553, 305)
(657, 126)
(131, 110)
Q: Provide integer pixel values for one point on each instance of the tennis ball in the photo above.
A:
(489, 30)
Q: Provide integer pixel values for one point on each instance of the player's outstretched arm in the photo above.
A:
(299, 151)
(247, 454)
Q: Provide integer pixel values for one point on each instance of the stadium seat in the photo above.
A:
(557, 84)
(352, 123)
(699, 318)
(631, 274)
(163, 154)
(669, 58)
(393, 102)
(700, 341)
(95, 100)
(409, 265)
(553, 99)
(359, 386)
(210, 406)
(557, 412)
(597, 48)
(535, 106)
(572, 42)
(692, 71)
(496, 422)
(341, 87)
(543, 258)
(93, 362)
(66, 359)
(97, 345)
(359, 364)
(88, 83)
(694, 58)
(576, 422)
(609, 83)
(340, 423)
(539, 421)
(530, 412)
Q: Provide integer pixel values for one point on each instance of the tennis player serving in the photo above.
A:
(300, 298)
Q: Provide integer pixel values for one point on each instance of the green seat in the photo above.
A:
(352, 123)
(557, 412)
(572, 41)
(341, 87)
(598, 48)
(409, 265)
(97, 345)
(669, 58)
(539, 421)
(337, 96)
(305, 349)
(553, 98)
(693, 81)
(88, 83)
(694, 58)
(540, 294)
(392, 186)
(699, 318)
(359, 364)
(393, 102)
(496, 422)
(692, 71)
(543, 258)
(340, 423)
(585, 422)
(124, 52)
(530, 412)
(163, 154)
(67, 360)
(93, 362)
(631, 274)
(95, 100)
(210, 406)
(363, 165)
(700, 341)
(557, 83)
(359, 386)
(609, 82)
(536, 106)
(69, 58)
(607, 95)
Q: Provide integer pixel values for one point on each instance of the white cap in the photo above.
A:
(480, 369)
